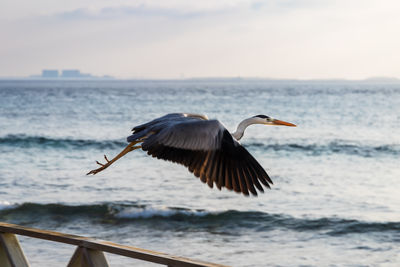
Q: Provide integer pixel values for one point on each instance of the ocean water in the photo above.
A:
(335, 199)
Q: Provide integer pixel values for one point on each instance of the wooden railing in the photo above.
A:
(89, 251)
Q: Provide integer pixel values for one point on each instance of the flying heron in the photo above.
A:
(205, 147)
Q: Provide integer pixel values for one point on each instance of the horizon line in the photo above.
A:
(248, 78)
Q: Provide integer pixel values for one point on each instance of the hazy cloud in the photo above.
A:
(118, 12)
(174, 10)
(164, 38)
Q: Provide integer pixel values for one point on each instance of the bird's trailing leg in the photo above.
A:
(126, 150)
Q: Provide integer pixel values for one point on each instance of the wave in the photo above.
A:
(178, 218)
(5, 205)
(24, 141)
(337, 146)
(341, 147)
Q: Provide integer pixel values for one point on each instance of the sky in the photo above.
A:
(284, 39)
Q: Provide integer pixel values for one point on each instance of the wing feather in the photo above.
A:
(221, 172)
(210, 168)
(249, 181)
(253, 179)
(228, 175)
(242, 180)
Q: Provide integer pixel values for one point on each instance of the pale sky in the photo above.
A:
(300, 39)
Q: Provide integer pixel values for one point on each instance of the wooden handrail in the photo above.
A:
(102, 246)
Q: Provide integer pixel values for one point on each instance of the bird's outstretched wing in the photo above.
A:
(230, 166)
(206, 148)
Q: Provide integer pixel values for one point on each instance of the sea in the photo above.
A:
(335, 200)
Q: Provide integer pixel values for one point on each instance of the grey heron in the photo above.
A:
(205, 147)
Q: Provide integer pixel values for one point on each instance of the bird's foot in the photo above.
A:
(103, 166)
(127, 149)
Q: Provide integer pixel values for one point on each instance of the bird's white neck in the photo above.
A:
(242, 127)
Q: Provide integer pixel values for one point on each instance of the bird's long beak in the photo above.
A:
(282, 123)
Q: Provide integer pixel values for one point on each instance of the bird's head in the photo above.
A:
(263, 119)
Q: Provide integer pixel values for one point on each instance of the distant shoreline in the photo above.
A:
(211, 79)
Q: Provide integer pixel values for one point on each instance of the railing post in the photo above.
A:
(11, 254)
(84, 257)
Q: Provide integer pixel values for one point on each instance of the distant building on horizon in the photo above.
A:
(73, 74)
(67, 74)
(50, 73)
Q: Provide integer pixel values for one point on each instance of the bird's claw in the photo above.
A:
(97, 170)
(103, 166)
(94, 171)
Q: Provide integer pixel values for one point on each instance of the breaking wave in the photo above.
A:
(25, 141)
(333, 147)
(337, 146)
(177, 218)
(5, 205)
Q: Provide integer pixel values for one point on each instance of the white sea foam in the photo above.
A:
(148, 212)
(5, 205)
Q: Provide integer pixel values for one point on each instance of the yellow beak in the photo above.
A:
(283, 123)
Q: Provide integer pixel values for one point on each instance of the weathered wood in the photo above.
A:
(77, 258)
(3, 257)
(84, 257)
(105, 246)
(11, 253)
(95, 258)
